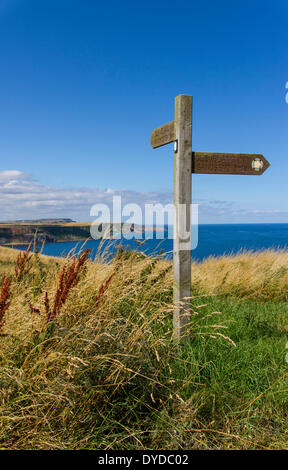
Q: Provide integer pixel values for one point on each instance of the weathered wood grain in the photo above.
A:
(163, 135)
(229, 163)
(182, 217)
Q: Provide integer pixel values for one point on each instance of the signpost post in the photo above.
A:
(186, 162)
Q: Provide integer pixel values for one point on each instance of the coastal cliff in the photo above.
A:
(24, 232)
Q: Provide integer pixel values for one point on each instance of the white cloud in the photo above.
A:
(211, 212)
(21, 197)
(13, 175)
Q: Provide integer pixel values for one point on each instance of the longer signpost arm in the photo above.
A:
(182, 211)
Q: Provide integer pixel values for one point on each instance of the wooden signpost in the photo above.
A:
(186, 162)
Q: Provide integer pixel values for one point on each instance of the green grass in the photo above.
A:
(233, 397)
(233, 378)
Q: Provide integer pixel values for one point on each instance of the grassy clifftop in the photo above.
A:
(88, 360)
(25, 232)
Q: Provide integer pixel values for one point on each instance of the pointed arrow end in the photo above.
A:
(266, 164)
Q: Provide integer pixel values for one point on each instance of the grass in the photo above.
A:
(262, 275)
(106, 373)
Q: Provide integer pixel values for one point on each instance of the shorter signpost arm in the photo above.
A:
(182, 214)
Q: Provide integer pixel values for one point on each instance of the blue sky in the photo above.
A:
(83, 84)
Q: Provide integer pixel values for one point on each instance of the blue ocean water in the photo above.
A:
(213, 240)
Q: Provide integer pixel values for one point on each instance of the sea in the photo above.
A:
(213, 240)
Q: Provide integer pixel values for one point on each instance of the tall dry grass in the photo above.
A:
(78, 372)
(104, 371)
(261, 275)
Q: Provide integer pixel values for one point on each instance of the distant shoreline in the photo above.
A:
(22, 233)
(19, 234)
